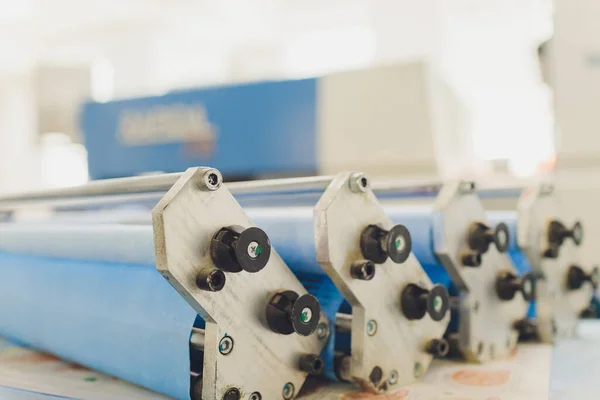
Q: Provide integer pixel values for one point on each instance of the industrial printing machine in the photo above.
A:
(264, 283)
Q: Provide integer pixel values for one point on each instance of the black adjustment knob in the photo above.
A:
(287, 312)
(236, 249)
(416, 301)
(312, 364)
(558, 232)
(508, 284)
(471, 258)
(576, 277)
(527, 330)
(438, 348)
(552, 251)
(377, 244)
(480, 237)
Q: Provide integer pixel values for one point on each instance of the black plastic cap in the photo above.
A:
(438, 348)
(312, 364)
(576, 277)
(414, 302)
(288, 313)
(501, 237)
(399, 244)
(507, 286)
(235, 249)
(471, 259)
(371, 244)
(479, 237)
(438, 302)
(212, 280)
(363, 270)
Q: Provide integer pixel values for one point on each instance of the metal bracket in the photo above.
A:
(184, 222)
(558, 308)
(381, 336)
(486, 322)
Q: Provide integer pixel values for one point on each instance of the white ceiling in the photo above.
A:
(158, 44)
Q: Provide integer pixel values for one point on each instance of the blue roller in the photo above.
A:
(291, 231)
(97, 285)
(519, 259)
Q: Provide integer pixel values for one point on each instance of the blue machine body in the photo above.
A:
(98, 301)
(519, 259)
(255, 129)
(99, 260)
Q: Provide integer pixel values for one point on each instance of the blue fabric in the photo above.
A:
(121, 319)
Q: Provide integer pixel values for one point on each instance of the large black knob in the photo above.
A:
(287, 312)
(377, 244)
(576, 277)
(234, 249)
(508, 284)
(480, 237)
(416, 301)
(558, 232)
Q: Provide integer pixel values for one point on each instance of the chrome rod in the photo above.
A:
(146, 189)
(197, 339)
(343, 322)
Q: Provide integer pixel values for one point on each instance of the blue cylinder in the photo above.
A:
(118, 317)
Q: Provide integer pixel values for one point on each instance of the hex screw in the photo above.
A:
(226, 345)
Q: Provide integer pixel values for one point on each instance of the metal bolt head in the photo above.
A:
(254, 249)
(322, 330)
(256, 396)
(371, 327)
(226, 345)
(288, 391)
(359, 182)
(418, 370)
(232, 394)
(393, 378)
(211, 180)
(306, 315)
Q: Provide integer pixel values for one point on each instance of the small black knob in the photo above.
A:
(471, 258)
(416, 301)
(576, 277)
(527, 330)
(363, 270)
(377, 244)
(508, 284)
(287, 312)
(480, 237)
(558, 232)
(438, 347)
(552, 251)
(312, 364)
(236, 249)
(212, 280)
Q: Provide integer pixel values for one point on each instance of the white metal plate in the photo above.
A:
(558, 307)
(486, 322)
(398, 345)
(185, 221)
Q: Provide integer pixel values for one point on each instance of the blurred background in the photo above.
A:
(487, 89)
